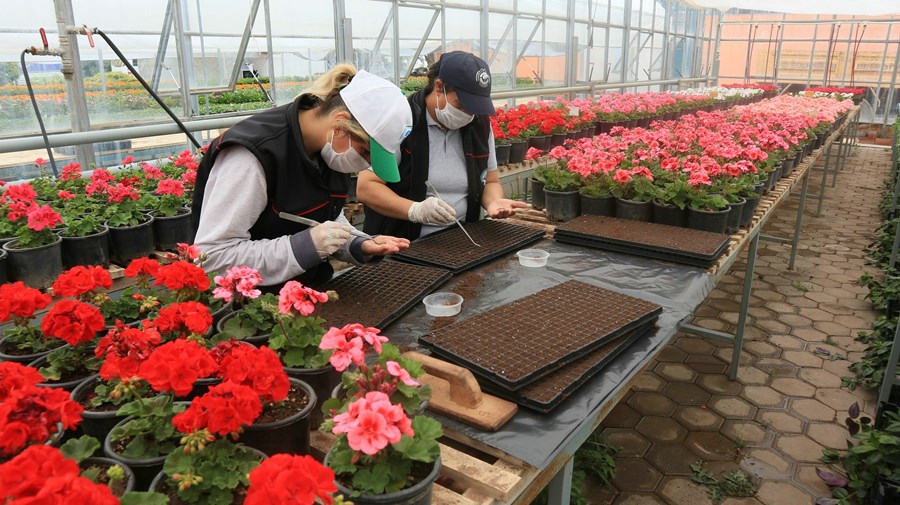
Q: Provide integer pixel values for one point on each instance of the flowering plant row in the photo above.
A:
(684, 162)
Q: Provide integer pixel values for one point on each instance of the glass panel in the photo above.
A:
(597, 65)
(368, 20)
(463, 31)
(536, 6)
(302, 42)
(502, 55)
(531, 69)
(413, 24)
(615, 54)
(500, 4)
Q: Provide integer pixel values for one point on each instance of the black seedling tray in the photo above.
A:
(683, 242)
(378, 293)
(636, 251)
(520, 342)
(546, 393)
(451, 249)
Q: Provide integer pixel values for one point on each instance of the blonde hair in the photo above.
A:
(327, 91)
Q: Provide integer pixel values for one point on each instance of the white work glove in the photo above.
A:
(329, 237)
(432, 211)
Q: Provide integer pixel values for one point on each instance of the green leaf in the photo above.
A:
(371, 480)
(143, 498)
(80, 448)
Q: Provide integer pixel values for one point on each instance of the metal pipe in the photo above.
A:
(817, 21)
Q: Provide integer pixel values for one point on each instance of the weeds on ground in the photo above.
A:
(799, 286)
(596, 458)
(737, 483)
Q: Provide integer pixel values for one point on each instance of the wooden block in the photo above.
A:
(443, 496)
(478, 475)
(115, 271)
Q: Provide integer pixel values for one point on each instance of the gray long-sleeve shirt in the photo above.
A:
(233, 200)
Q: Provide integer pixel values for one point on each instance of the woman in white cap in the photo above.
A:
(296, 159)
(452, 147)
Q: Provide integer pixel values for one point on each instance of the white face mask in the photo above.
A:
(451, 117)
(347, 162)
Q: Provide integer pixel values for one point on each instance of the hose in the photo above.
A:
(37, 112)
(146, 86)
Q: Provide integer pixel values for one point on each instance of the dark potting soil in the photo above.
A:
(103, 407)
(79, 373)
(295, 402)
(452, 249)
(376, 294)
(10, 349)
(648, 235)
(166, 488)
(521, 341)
(118, 488)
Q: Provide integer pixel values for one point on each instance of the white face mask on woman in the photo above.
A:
(347, 162)
(451, 117)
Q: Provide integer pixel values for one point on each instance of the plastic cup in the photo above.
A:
(533, 257)
(443, 304)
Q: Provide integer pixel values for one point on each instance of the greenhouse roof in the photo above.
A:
(869, 8)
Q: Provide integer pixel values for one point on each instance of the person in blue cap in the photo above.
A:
(452, 147)
(297, 158)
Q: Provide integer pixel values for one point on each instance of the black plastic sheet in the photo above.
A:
(537, 438)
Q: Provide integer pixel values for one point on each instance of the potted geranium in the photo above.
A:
(134, 303)
(116, 476)
(670, 204)
(41, 474)
(284, 479)
(634, 191)
(596, 195)
(78, 324)
(23, 342)
(35, 256)
(561, 192)
(85, 239)
(708, 211)
(255, 313)
(172, 216)
(501, 140)
(380, 454)
(130, 229)
(188, 282)
(31, 414)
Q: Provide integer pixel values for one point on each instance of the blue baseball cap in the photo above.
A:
(470, 77)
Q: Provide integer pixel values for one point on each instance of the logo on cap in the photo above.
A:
(483, 78)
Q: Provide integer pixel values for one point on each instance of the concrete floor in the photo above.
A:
(787, 404)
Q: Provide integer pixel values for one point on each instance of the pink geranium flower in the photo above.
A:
(296, 296)
(346, 350)
(242, 280)
(399, 372)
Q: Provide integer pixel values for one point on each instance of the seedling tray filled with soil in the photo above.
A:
(451, 249)
(522, 341)
(659, 241)
(546, 393)
(377, 294)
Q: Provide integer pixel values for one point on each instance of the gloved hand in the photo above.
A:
(329, 236)
(432, 211)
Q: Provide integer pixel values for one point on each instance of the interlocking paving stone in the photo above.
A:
(631, 442)
(781, 422)
(671, 354)
(676, 372)
(799, 448)
(709, 445)
(812, 410)
(793, 387)
(732, 407)
(765, 463)
(686, 394)
(802, 358)
(838, 399)
(761, 349)
(681, 491)
(751, 375)
(671, 459)
(786, 342)
(744, 432)
(782, 493)
(652, 404)
(763, 396)
(830, 435)
(622, 416)
(639, 499)
(661, 429)
(695, 345)
(635, 474)
(648, 381)
(698, 418)
(806, 474)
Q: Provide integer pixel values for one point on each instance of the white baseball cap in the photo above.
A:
(381, 109)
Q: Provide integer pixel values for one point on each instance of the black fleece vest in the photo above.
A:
(295, 183)
(414, 171)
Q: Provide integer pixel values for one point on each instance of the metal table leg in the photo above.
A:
(560, 488)
(824, 178)
(799, 222)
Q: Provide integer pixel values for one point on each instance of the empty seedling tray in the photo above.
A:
(546, 393)
(654, 240)
(377, 294)
(521, 341)
(451, 249)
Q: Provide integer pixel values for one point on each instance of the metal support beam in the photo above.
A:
(415, 58)
(160, 60)
(73, 78)
(395, 43)
(496, 50)
(245, 39)
(384, 28)
(798, 223)
(270, 60)
(560, 488)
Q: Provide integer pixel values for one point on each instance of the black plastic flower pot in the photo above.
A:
(68, 385)
(886, 492)
(502, 152)
(598, 205)
(160, 481)
(169, 231)
(603, 127)
(6, 352)
(708, 220)
(557, 139)
(748, 211)
(537, 194)
(257, 340)
(96, 423)
(97, 461)
(127, 243)
(37, 267)
(289, 435)
(762, 188)
(517, 151)
(4, 278)
(734, 216)
(88, 250)
(671, 215)
(561, 205)
(144, 469)
(201, 387)
(322, 381)
(539, 142)
(417, 494)
(634, 210)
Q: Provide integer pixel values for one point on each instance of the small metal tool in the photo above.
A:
(311, 222)
(427, 183)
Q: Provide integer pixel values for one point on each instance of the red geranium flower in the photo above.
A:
(30, 415)
(21, 301)
(181, 319)
(71, 172)
(73, 321)
(182, 275)
(124, 349)
(41, 474)
(16, 376)
(224, 409)
(128, 159)
(21, 193)
(170, 187)
(65, 195)
(142, 266)
(258, 368)
(175, 366)
(81, 280)
(43, 217)
(284, 479)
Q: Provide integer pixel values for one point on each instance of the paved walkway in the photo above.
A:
(787, 404)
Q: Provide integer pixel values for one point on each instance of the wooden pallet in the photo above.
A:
(471, 473)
